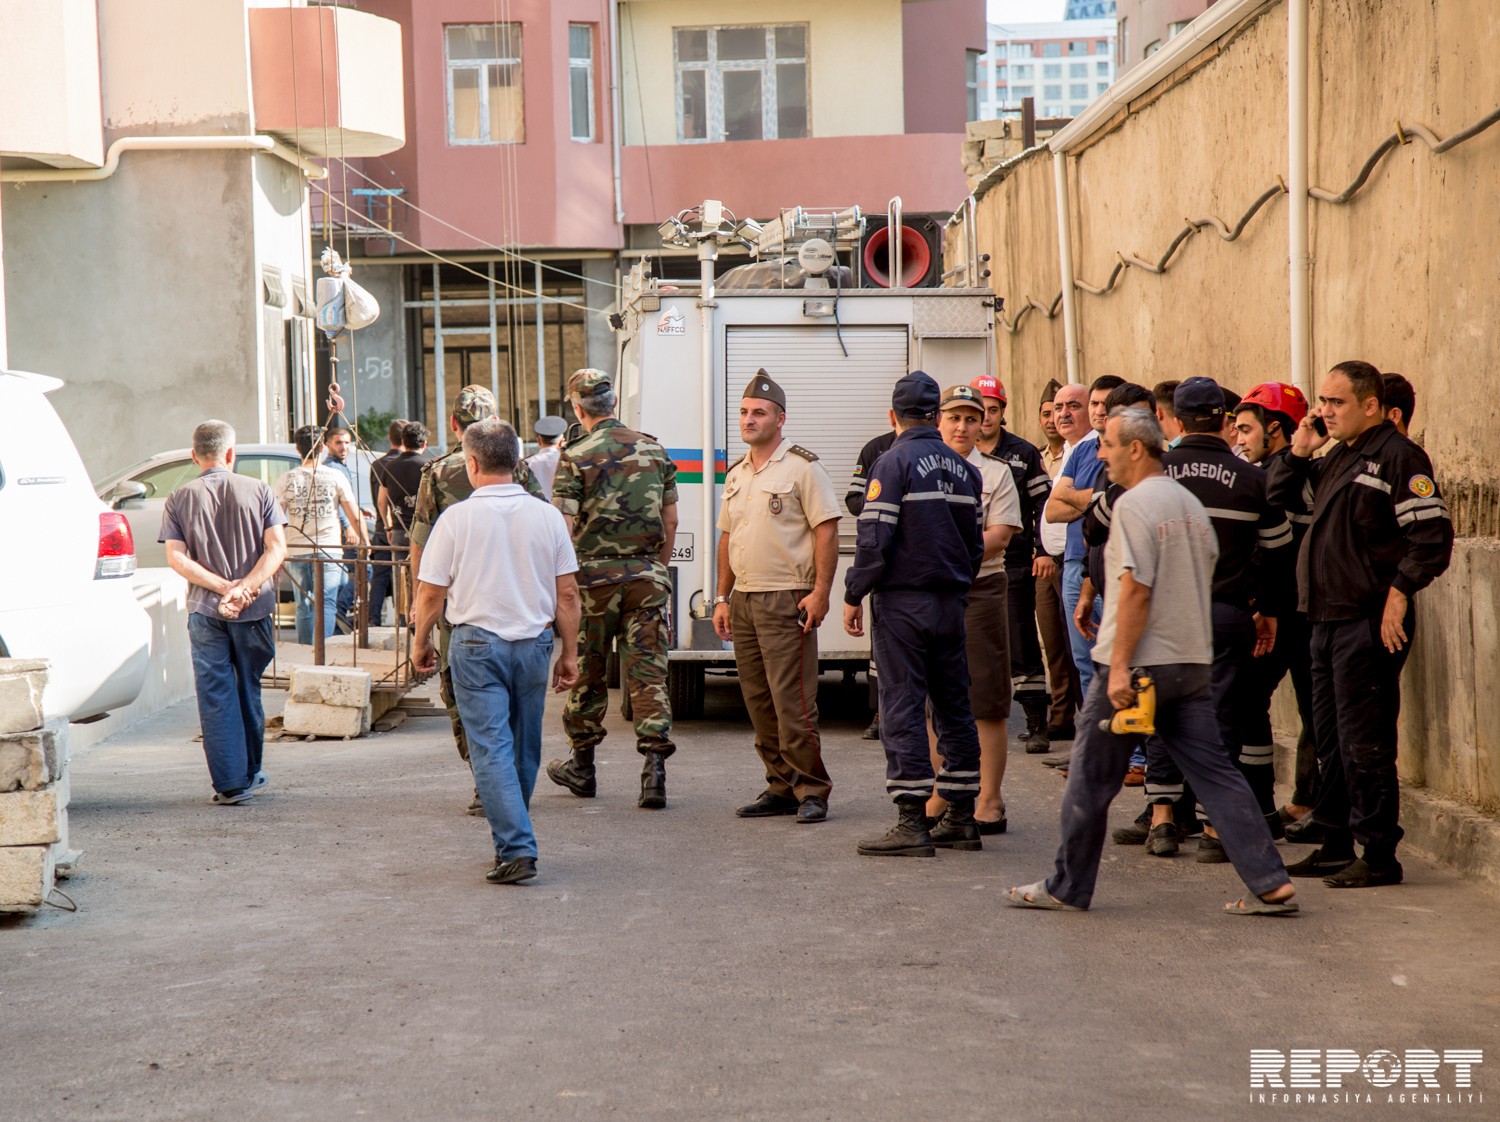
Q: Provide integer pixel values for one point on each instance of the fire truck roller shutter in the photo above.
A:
(834, 404)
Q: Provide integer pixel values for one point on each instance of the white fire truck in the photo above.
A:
(686, 351)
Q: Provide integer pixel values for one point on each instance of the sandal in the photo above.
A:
(1255, 906)
(1036, 896)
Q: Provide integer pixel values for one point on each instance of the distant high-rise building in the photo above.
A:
(1090, 9)
(1062, 65)
(1144, 26)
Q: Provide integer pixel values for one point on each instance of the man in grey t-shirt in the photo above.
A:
(223, 533)
(1159, 564)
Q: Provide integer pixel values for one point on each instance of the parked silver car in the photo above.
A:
(140, 492)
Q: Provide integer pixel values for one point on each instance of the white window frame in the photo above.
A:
(714, 69)
(587, 66)
(513, 32)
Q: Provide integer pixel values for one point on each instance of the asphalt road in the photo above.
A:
(332, 951)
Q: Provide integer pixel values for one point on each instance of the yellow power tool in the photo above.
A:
(1140, 718)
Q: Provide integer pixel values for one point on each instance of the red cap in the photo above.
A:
(1279, 398)
(990, 386)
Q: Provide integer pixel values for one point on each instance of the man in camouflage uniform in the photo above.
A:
(618, 490)
(445, 482)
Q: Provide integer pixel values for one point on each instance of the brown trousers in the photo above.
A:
(1062, 675)
(778, 670)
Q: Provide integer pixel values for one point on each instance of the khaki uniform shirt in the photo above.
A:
(1053, 463)
(770, 515)
(999, 501)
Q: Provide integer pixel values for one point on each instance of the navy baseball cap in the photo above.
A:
(916, 395)
(1198, 397)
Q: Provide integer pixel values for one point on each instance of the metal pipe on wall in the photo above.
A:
(1299, 258)
(708, 253)
(1065, 266)
(616, 115)
(541, 351)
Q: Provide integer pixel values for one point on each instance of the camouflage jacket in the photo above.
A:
(614, 483)
(445, 482)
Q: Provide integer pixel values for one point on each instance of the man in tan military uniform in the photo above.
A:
(778, 547)
(445, 481)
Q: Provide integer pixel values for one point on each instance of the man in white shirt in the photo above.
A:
(504, 564)
(543, 463)
(312, 496)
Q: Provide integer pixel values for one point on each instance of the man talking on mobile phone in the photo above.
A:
(778, 547)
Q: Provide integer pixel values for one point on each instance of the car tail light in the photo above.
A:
(116, 547)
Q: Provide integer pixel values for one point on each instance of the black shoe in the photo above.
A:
(1307, 831)
(1164, 840)
(516, 871)
(814, 808)
(907, 838)
(1278, 827)
(767, 805)
(996, 826)
(1035, 739)
(957, 828)
(577, 774)
(1319, 864)
(1361, 875)
(873, 732)
(1064, 731)
(653, 782)
(1134, 834)
(1211, 851)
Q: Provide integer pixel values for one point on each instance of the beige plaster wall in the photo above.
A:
(1403, 277)
(854, 56)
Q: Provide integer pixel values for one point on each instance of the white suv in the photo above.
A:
(66, 592)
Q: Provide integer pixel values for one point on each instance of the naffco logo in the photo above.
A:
(1343, 1075)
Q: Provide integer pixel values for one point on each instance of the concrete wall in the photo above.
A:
(141, 292)
(854, 58)
(49, 88)
(937, 36)
(1403, 277)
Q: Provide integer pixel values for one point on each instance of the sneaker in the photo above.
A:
(231, 798)
(1211, 851)
(518, 870)
(1164, 840)
(258, 784)
(1135, 777)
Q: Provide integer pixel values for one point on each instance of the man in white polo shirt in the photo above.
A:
(504, 564)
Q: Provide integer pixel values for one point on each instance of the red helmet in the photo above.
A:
(990, 386)
(1279, 398)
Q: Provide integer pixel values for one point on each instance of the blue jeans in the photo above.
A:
(334, 577)
(228, 659)
(501, 687)
(1072, 585)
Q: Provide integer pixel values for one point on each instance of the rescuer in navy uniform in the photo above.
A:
(919, 549)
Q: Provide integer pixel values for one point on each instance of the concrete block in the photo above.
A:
(26, 877)
(32, 817)
(341, 686)
(22, 681)
(306, 718)
(381, 639)
(31, 760)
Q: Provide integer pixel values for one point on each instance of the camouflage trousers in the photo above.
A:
(634, 614)
(445, 688)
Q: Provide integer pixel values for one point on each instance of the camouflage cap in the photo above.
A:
(473, 403)
(588, 381)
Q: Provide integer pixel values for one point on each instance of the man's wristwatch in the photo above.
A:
(720, 600)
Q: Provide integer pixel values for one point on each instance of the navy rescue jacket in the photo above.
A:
(1255, 539)
(920, 526)
(854, 498)
(1378, 522)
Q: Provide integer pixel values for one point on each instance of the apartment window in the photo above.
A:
(972, 83)
(581, 79)
(1177, 26)
(485, 99)
(1078, 47)
(742, 83)
(1151, 48)
(1123, 41)
(1078, 70)
(1052, 70)
(1052, 50)
(1022, 50)
(1052, 111)
(1079, 91)
(1022, 72)
(1101, 69)
(1102, 46)
(1052, 93)
(1019, 92)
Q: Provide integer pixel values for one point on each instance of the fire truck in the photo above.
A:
(835, 336)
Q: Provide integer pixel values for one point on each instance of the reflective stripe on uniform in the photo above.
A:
(1370, 481)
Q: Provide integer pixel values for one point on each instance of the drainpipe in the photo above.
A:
(1299, 258)
(616, 114)
(708, 253)
(266, 144)
(1065, 263)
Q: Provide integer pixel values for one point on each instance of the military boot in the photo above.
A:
(956, 829)
(908, 837)
(577, 774)
(1035, 737)
(653, 782)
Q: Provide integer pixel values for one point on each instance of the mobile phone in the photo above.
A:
(802, 618)
(1320, 426)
